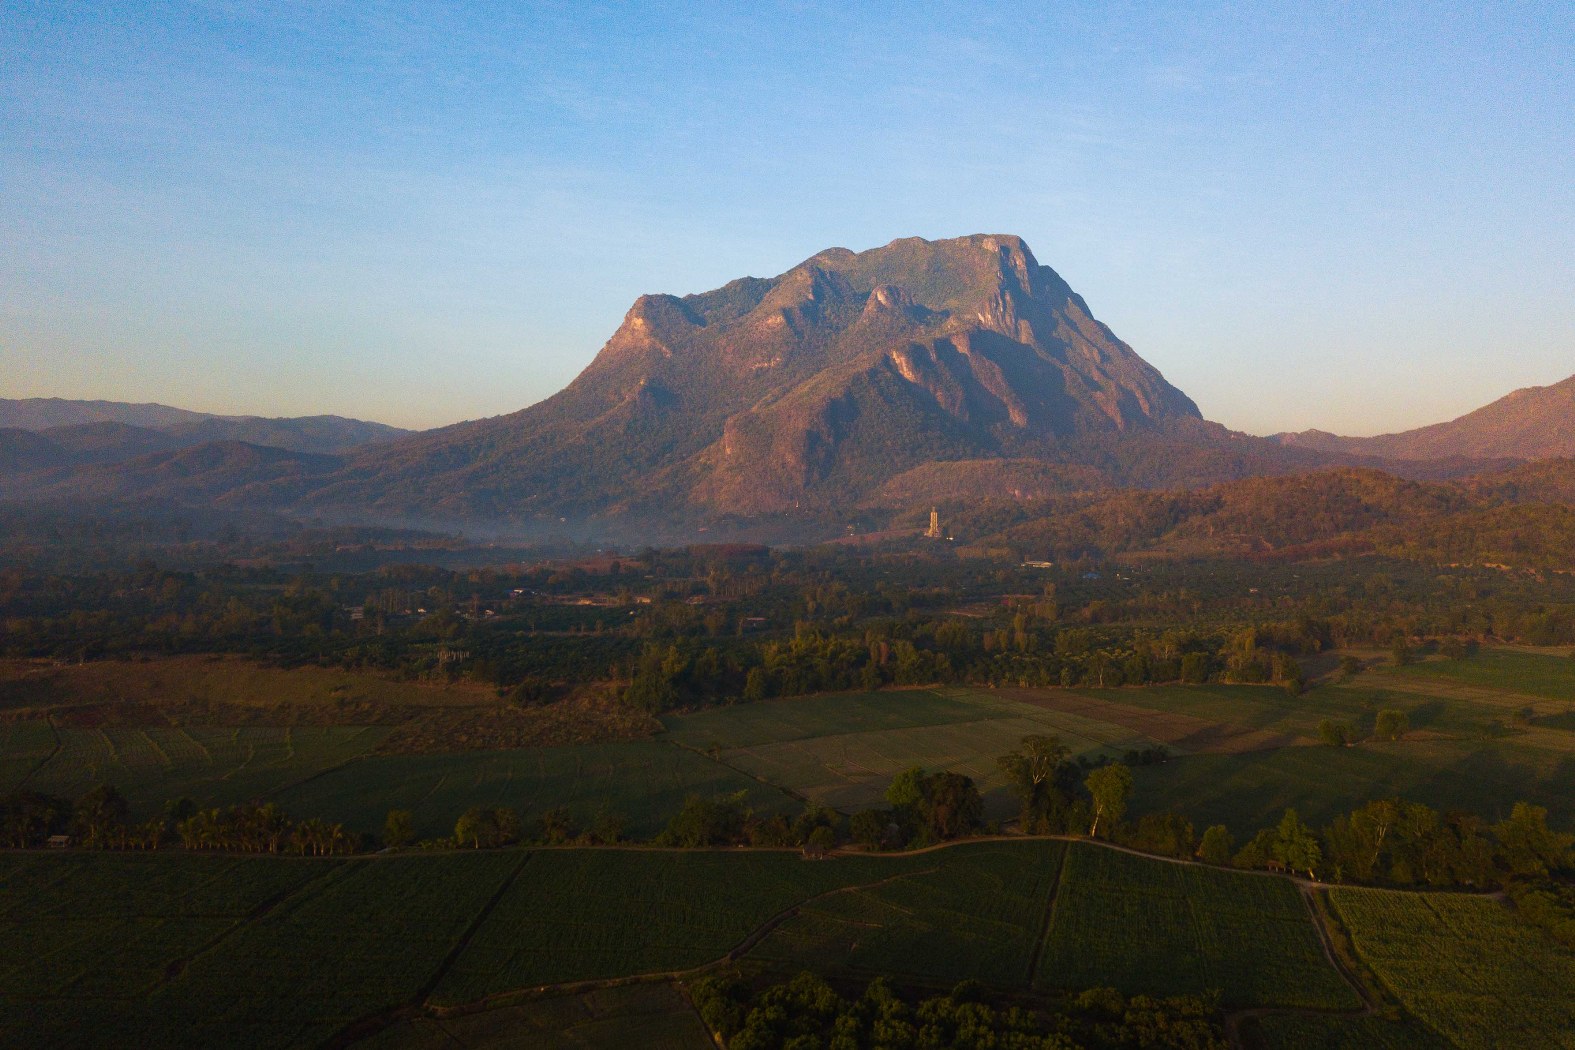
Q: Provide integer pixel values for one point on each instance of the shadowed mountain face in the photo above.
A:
(1535, 423)
(218, 474)
(808, 390)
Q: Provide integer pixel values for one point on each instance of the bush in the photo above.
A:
(1391, 725)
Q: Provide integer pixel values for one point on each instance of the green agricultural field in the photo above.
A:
(776, 721)
(193, 684)
(87, 939)
(184, 950)
(643, 781)
(1545, 675)
(976, 912)
(1333, 1032)
(1433, 707)
(1465, 966)
(211, 766)
(1170, 929)
(24, 746)
(1251, 791)
(586, 914)
(371, 937)
(843, 749)
(647, 1016)
(1253, 706)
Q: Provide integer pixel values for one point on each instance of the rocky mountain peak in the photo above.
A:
(815, 386)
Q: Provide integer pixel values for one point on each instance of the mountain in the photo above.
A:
(24, 451)
(41, 413)
(812, 390)
(317, 435)
(850, 389)
(218, 473)
(1537, 422)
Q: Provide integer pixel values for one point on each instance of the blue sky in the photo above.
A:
(1359, 217)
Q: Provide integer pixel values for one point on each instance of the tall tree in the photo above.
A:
(1033, 773)
(1296, 846)
(399, 829)
(1111, 789)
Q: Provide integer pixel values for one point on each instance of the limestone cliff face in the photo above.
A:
(970, 342)
(810, 388)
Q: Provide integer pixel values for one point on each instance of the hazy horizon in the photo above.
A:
(1356, 221)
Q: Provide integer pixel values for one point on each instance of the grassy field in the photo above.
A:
(239, 688)
(1470, 746)
(778, 721)
(1545, 675)
(191, 951)
(843, 749)
(89, 925)
(1256, 707)
(1248, 792)
(24, 746)
(577, 915)
(88, 940)
(211, 766)
(976, 915)
(1331, 1032)
(1465, 966)
(643, 781)
(371, 937)
(1169, 929)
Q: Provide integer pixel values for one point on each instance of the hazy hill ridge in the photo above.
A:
(41, 413)
(807, 390)
(1536, 422)
(51, 433)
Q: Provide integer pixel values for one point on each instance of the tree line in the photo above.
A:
(807, 1012)
(101, 819)
(688, 629)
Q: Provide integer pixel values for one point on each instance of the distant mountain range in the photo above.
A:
(853, 384)
(1534, 423)
(42, 413)
(43, 434)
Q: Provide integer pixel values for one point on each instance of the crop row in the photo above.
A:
(1465, 966)
(1170, 929)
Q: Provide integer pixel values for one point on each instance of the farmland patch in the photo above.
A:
(1171, 929)
(586, 914)
(212, 766)
(1545, 675)
(1176, 729)
(1465, 966)
(643, 781)
(1250, 791)
(976, 913)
